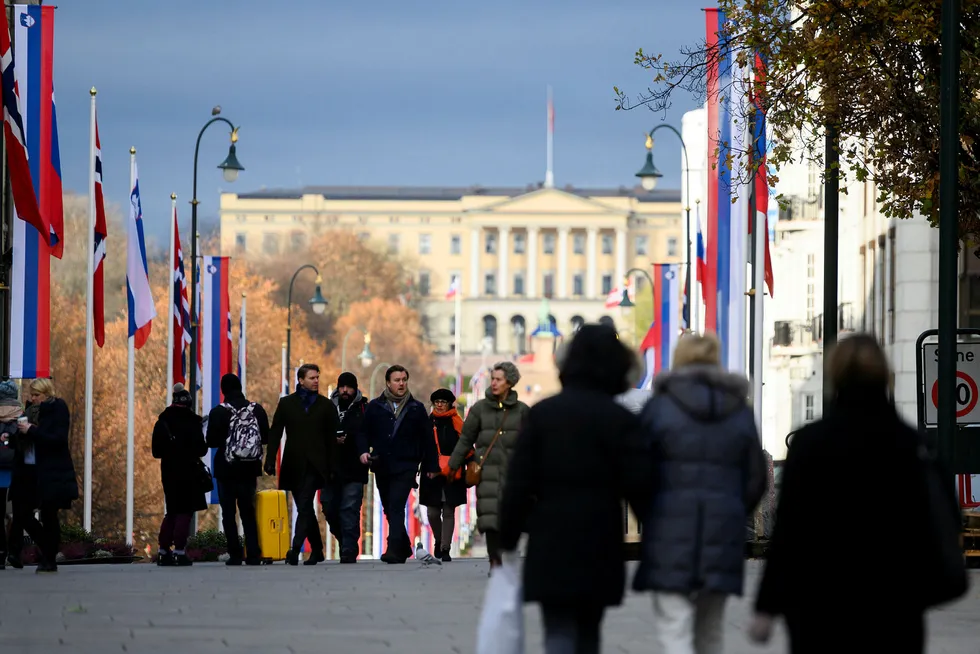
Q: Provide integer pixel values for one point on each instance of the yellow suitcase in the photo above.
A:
(272, 517)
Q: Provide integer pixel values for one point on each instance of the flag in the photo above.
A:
(453, 288)
(35, 183)
(702, 266)
(23, 178)
(52, 201)
(180, 312)
(657, 347)
(616, 295)
(142, 309)
(101, 233)
(759, 150)
(215, 337)
(242, 346)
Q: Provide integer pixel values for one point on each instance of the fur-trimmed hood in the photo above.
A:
(706, 393)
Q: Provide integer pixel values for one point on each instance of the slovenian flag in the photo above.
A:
(142, 309)
(213, 319)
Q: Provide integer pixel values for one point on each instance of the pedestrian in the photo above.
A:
(578, 457)
(492, 427)
(310, 423)
(178, 441)
(439, 494)
(10, 410)
(342, 498)
(859, 596)
(237, 430)
(709, 474)
(23, 478)
(393, 442)
(44, 445)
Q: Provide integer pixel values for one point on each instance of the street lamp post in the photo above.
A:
(626, 302)
(366, 356)
(649, 175)
(318, 302)
(374, 374)
(230, 169)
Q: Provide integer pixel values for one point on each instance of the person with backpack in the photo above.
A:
(237, 429)
(342, 498)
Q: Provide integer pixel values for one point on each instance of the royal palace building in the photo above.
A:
(510, 248)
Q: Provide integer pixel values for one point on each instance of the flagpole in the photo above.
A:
(549, 177)
(89, 324)
(196, 302)
(457, 337)
(170, 287)
(242, 342)
(130, 390)
(282, 375)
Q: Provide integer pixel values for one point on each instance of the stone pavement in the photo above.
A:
(366, 608)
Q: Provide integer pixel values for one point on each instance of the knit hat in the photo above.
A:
(442, 394)
(347, 379)
(230, 384)
(8, 390)
(182, 397)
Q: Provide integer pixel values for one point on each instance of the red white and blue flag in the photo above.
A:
(657, 347)
(142, 308)
(453, 288)
(215, 336)
(759, 150)
(35, 172)
(242, 346)
(101, 233)
(180, 312)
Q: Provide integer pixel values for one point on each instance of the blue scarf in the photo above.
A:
(307, 398)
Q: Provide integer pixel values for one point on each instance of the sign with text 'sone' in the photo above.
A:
(967, 391)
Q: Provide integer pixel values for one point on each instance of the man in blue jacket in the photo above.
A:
(392, 441)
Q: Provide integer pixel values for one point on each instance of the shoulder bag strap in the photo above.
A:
(503, 421)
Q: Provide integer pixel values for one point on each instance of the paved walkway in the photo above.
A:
(366, 608)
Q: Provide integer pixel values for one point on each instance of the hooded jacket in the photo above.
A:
(708, 472)
(350, 467)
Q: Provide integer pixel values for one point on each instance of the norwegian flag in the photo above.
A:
(21, 182)
(101, 232)
(181, 310)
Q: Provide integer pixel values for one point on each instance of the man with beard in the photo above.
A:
(393, 441)
(342, 498)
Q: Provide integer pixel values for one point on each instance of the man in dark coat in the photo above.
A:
(342, 499)
(310, 423)
(393, 441)
(236, 478)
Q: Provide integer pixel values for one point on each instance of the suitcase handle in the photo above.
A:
(276, 525)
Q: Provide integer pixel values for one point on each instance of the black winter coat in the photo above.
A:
(400, 445)
(577, 457)
(311, 440)
(709, 473)
(351, 419)
(57, 485)
(219, 422)
(445, 436)
(178, 441)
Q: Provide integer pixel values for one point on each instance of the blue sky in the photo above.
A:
(428, 93)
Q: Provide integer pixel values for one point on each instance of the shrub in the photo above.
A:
(208, 539)
(75, 534)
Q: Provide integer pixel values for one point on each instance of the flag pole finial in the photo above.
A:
(243, 294)
(132, 150)
(92, 91)
(173, 196)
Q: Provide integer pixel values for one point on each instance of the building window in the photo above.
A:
(425, 244)
(810, 301)
(811, 261)
(490, 284)
(393, 243)
(520, 243)
(452, 325)
(518, 328)
(607, 284)
(549, 284)
(808, 408)
(891, 285)
(672, 246)
(578, 284)
(455, 244)
(578, 243)
(270, 244)
(297, 241)
(490, 245)
(490, 331)
(519, 283)
(549, 243)
(424, 284)
(241, 242)
(642, 243)
(607, 244)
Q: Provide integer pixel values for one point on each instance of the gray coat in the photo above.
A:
(709, 473)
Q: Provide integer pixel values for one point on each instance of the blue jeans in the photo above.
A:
(342, 508)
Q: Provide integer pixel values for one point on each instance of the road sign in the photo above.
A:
(967, 379)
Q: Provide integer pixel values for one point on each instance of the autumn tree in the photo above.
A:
(352, 272)
(395, 339)
(872, 69)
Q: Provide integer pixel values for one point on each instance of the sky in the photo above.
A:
(433, 93)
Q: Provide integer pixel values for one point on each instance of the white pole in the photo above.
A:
(549, 177)
(170, 293)
(457, 337)
(196, 345)
(89, 324)
(243, 343)
(282, 374)
(758, 274)
(130, 391)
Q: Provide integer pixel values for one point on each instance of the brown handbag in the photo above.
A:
(474, 470)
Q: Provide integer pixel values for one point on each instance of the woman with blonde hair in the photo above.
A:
(709, 473)
(45, 444)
